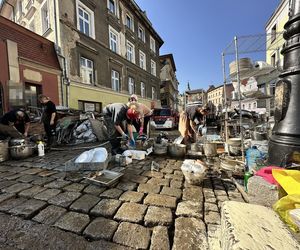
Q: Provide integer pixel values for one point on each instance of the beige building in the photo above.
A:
(216, 96)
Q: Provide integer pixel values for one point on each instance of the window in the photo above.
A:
(243, 106)
(45, 18)
(32, 26)
(249, 106)
(112, 6)
(86, 70)
(115, 80)
(152, 44)
(31, 94)
(273, 33)
(20, 7)
(113, 40)
(129, 22)
(273, 60)
(254, 105)
(89, 106)
(143, 90)
(131, 89)
(153, 93)
(130, 55)
(85, 20)
(141, 33)
(142, 60)
(153, 68)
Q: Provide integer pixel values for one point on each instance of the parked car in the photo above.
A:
(164, 118)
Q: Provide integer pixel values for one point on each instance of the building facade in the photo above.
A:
(196, 95)
(28, 67)
(215, 96)
(169, 82)
(108, 48)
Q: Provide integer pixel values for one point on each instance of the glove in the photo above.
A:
(141, 131)
(132, 143)
(124, 136)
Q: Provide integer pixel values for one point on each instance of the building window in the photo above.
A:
(85, 20)
(89, 106)
(131, 89)
(141, 33)
(273, 33)
(115, 80)
(152, 44)
(153, 68)
(153, 93)
(112, 6)
(129, 22)
(143, 90)
(243, 106)
(273, 60)
(113, 40)
(86, 70)
(32, 26)
(254, 105)
(142, 60)
(20, 7)
(45, 17)
(249, 106)
(130, 55)
(31, 94)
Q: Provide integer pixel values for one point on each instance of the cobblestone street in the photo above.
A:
(43, 208)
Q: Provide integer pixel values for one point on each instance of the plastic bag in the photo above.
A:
(289, 180)
(193, 171)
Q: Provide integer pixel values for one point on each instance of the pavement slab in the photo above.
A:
(113, 193)
(160, 200)
(101, 228)
(167, 170)
(27, 178)
(127, 186)
(47, 194)
(211, 217)
(28, 208)
(73, 222)
(134, 178)
(47, 173)
(211, 200)
(16, 188)
(94, 189)
(132, 235)
(190, 209)
(153, 174)
(64, 199)
(175, 192)
(106, 208)
(158, 216)
(14, 176)
(189, 234)
(6, 196)
(176, 184)
(193, 194)
(211, 207)
(159, 181)
(160, 238)
(42, 181)
(32, 171)
(74, 187)
(29, 193)
(57, 184)
(131, 196)
(4, 184)
(149, 188)
(131, 212)
(85, 203)
(49, 215)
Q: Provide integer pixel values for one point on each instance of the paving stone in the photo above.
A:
(16, 169)
(27, 178)
(13, 177)
(160, 200)
(101, 228)
(220, 193)
(176, 192)
(59, 175)
(133, 171)
(112, 193)
(160, 238)
(211, 207)
(153, 174)
(106, 208)
(4, 184)
(158, 216)
(28, 208)
(211, 200)
(176, 184)
(131, 196)
(42, 181)
(29, 193)
(64, 199)
(134, 178)
(94, 189)
(127, 186)
(105, 245)
(16, 188)
(189, 234)
(167, 170)
(178, 173)
(32, 171)
(73, 222)
(132, 235)
(158, 181)
(74, 177)
(190, 209)
(57, 184)
(47, 194)
(131, 212)
(149, 188)
(85, 203)
(174, 177)
(6, 196)
(193, 194)
(47, 173)
(5, 174)
(211, 217)
(8, 204)
(49, 215)
(222, 198)
(74, 187)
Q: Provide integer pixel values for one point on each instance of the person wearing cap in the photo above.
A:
(18, 119)
(187, 121)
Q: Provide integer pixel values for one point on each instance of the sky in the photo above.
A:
(196, 32)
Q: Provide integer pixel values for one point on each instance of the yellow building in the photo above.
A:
(215, 95)
(274, 29)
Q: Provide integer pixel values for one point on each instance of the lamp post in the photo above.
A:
(286, 133)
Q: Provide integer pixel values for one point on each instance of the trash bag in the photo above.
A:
(193, 171)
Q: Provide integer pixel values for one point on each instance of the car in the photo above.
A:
(164, 118)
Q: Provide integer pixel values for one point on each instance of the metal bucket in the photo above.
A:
(210, 149)
(177, 150)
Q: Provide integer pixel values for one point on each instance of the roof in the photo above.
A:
(30, 45)
(195, 91)
(220, 86)
(170, 56)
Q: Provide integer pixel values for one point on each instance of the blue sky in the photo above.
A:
(197, 31)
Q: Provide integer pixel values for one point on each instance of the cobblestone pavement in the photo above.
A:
(43, 208)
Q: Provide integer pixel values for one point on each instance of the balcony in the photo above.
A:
(30, 9)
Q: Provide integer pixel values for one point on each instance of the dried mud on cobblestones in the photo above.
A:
(43, 208)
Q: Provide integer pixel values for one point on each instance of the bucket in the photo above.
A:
(210, 149)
